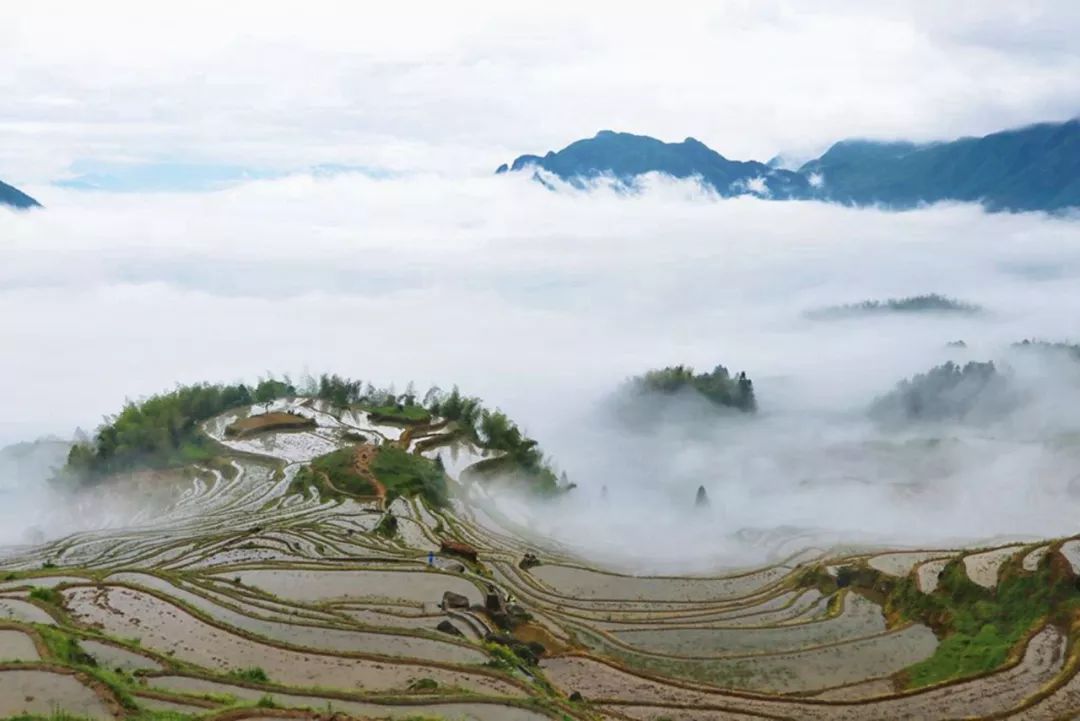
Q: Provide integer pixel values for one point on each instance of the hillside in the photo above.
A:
(1031, 168)
(627, 156)
(166, 431)
(974, 392)
(934, 303)
(305, 573)
(16, 198)
(719, 387)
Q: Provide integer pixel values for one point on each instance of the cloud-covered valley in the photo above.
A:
(543, 303)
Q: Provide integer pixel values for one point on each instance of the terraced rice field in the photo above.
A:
(246, 599)
(900, 564)
(982, 568)
(17, 646)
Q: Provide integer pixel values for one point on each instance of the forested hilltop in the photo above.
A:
(949, 392)
(928, 303)
(163, 430)
(719, 387)
(1070, 350)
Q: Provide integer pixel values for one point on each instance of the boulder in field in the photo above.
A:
(457, 548)
(454, 600)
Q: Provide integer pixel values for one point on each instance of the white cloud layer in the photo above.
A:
(461, 87)
(542, 303)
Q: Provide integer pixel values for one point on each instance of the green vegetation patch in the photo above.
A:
(253, 674)
(520, 458)
(977, 628)
(333, 474)
(719, 386)
(399, 413)
(46, 595)
(948, 392)
(340, 467)
(162, 430)
(403, 474)
(928, 303)
(387, 526)
(1070, 350)
(64, 648)
(424, 685)
(406, 474)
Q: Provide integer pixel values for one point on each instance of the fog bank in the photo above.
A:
(542, 303)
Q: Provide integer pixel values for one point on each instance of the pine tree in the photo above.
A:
(702, 500)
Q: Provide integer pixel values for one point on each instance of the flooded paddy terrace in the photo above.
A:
(243, 593)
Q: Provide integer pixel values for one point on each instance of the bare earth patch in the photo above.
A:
(264, 422)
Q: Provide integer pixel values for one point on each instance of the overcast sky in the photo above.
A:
(457, 88)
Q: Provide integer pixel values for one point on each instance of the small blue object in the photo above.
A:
(431, 558)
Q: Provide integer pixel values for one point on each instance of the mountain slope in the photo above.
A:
(1032, 168)
(15, 197)
(626, 156)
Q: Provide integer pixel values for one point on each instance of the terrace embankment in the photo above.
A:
(268, 422)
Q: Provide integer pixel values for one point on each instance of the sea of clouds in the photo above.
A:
(542, 303)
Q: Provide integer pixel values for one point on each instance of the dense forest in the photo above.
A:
(930, 303)
(162, 431)
(407, 474)
(1069, 349)
(947, 392)
(718, 387)
(521, 456)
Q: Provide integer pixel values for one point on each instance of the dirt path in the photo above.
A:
(365, 454)
(362, 459)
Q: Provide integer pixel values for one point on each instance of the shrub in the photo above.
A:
(266, 701)
(253, 674)
(406, 474)
(424, 684)
(46, 595)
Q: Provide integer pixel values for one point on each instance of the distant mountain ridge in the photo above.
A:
(1031, 168)
(16, 198)
(626, 156)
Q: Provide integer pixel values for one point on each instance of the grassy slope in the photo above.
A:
(406, 474)
(337, 467)
(405, 414)
(403, 474)
(979, 629)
